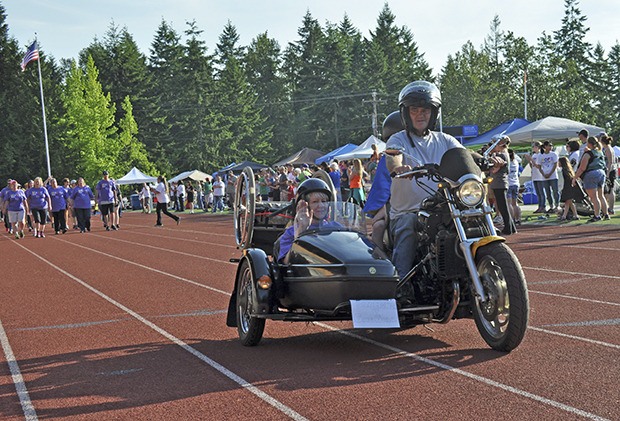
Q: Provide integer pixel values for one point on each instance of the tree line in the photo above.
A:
(186, 106)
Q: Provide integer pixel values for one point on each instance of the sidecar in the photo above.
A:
(326, 269)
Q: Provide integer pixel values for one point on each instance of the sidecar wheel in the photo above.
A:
(250, 328)
(502, 320)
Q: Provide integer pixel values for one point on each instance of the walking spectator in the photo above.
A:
(572, 148)
(181, 195)
(16, 206)
(218, 194)
(161, 194)
(208, 191)
(190, 197)
(105, 194)
(118, 207)
(570, 191)
(547, 164)
(344, 181)
(537, 178)
(499, 185)
(356, 182)
(199, 195)
(512, 195)
(231, 181)
(611, 171)
(68, 210)
(59, 198)
(7, 224)
(173, 196)
(145, 198)
(592, 168)
(334, 174)
(73, 214)
(39, 202)
(263, 185)
(81, 197)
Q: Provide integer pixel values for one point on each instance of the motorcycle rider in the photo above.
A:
(419, 104)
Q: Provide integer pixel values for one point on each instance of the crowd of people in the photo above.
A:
(587, 174)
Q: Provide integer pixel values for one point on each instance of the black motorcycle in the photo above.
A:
(463, 268)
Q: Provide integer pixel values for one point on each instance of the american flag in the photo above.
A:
(32, 53)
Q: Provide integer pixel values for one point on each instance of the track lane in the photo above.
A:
(294, 338)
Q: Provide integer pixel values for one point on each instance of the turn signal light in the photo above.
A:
(264, 282)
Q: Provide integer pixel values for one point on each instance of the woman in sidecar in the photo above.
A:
(321, 262)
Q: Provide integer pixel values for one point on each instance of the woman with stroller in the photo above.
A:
(592, 170)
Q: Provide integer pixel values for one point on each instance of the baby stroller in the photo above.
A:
(582, 203)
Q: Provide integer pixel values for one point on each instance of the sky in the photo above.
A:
(439, 27)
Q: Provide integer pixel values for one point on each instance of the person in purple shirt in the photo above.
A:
(59, 205)
(5, 216)
(106, 196)
(40, 203)
(16, 205)
(81, 197)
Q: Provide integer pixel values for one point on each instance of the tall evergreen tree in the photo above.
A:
(161, 135)
(241, 120)
(264, 74)
(91, 133)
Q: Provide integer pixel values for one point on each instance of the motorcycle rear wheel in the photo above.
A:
(250, 328)
(502, 320)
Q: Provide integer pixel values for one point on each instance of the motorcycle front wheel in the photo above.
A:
(502, 320)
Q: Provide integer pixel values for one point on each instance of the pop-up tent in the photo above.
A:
(304, 156)
(363, 151)
(237, 169)
(328, 157)
(551, 128)
(135, 176)
(506, 127)
(193, 174)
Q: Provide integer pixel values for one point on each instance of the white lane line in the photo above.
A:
(161, 272)
(182, 230)
(567, 272)
(167, 237)
(608, 322)
(579, 338)
(108, 237)
(466, 374)
(571, 246)
(570, 297)
(217, 366)
(20, 386)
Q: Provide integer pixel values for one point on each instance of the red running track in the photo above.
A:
(131, 325)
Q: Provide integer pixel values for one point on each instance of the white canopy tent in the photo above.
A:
(363, 151)
(135, 176)
(193, 174)
(551, 128)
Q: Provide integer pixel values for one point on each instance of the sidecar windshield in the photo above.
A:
(338, 216)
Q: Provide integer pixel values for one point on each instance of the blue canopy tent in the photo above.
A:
(224, 170)
(505, 128)
(338, 151)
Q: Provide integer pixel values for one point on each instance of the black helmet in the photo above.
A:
(419, 94)
(392, 124)
(312, 185)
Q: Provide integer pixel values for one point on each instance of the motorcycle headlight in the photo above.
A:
(471, 193)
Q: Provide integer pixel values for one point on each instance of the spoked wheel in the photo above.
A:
(502, 320)
(250, 328)
(244, 208)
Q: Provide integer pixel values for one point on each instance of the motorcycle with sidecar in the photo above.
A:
(464, 271)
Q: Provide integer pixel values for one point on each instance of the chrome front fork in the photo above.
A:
(465, 244)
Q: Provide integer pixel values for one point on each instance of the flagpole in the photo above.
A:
(47, 148)
(525, 94)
